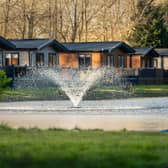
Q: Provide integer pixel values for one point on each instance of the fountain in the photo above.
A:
(112, 114)
(74, 82)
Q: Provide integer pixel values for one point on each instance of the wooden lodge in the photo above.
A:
(96, 54)
(27, 53)
(163, 58)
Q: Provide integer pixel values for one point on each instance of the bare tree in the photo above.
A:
(7, 6)
(68, 20)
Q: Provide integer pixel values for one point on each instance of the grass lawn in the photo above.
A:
(35, 148)
(105, 92)
(151, 90)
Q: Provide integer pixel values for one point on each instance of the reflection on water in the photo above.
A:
(148, 114)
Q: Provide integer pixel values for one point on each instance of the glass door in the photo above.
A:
(84, 60)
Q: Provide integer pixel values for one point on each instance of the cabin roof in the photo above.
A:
(6, 44)
(143, 51)
(162, 51)
(37, 44)
(98, 46)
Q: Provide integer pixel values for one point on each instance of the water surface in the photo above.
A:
(149, 114)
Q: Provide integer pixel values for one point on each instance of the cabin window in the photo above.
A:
(155, 63)
(1, 58)
(121, 61)
(39, 59)
(85, 60)
(52, 59)
(11, 59)
(110, 60)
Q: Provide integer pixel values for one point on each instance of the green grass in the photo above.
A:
(33, 94)
(105, 92)
(151, 90)
(53, 148)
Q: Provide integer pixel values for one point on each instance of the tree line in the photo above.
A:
(66, 20)
(150, 26)
(72, 20)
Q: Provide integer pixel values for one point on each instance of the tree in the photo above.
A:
(75, 20)
(165, 11)
(149, 28)
(7, 18)
(4, 80)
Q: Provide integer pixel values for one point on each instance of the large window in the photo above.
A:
(121, 61)
(11, 59)
(84, 60)
(39, 59)
(110, 60)
(52, 59)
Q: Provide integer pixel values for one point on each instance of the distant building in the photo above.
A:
(51, 53)
(96, 54)
(144, 57)
(33, 52)
(163, 58)
(5, 45)
(143, 61)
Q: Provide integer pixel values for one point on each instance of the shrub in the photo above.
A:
(5, 127)
(4, 81)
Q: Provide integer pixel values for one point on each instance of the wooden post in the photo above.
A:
(130, 61)
(162, 62)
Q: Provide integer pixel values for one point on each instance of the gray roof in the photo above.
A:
(6, 44)
(98, 46)
(143, 51)
(162, 51)
(37, 44)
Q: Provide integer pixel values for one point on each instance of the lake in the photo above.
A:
(138, 114)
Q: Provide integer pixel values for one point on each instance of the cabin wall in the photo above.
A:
(165, 59)
(96, 59)
(116, 53)
(24, 58)
(68, 60)
(165, 62)
(29, 57)
(136, 61)
(139, 61)
(45, 51)
(71, 59)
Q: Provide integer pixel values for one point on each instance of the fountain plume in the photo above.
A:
(74, 82)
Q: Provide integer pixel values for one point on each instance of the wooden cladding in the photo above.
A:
(68, 60)
(116, 58)
(136, 62)
(72, 59)
(96, 60)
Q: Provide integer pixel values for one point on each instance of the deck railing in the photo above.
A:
(136, 76)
